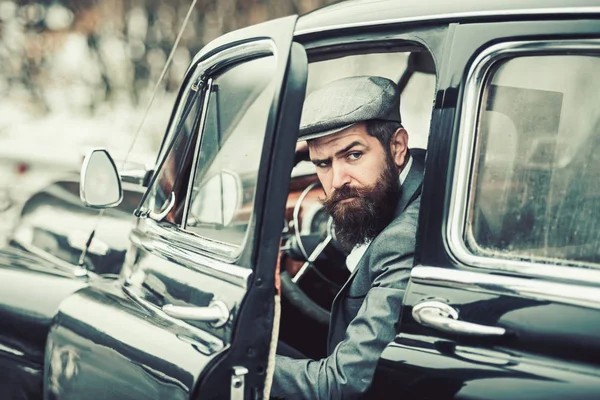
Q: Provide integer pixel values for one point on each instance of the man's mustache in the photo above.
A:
(343, 193)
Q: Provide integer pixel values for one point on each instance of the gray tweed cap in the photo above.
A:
(344, 102)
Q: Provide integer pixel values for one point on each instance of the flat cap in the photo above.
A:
(344, 102)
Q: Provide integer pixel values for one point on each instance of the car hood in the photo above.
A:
(31, 290)
(51, 214)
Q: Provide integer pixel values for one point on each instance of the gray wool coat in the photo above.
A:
(365, 313)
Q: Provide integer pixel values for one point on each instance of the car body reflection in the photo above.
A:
(54, 224)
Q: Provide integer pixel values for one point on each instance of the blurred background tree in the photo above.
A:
(79, 74)
(117, 48)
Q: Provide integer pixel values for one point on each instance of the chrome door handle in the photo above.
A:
(441, 316)
(216, 313)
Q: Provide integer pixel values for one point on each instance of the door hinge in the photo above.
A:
(237, 383)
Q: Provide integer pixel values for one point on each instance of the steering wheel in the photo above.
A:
(289, 285)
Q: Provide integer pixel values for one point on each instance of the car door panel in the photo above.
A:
(527, 309)
(531, 360)
(176, 275)
(444, 369)
(128, 338)
(254, 325)
(139, 354)
(25, 320)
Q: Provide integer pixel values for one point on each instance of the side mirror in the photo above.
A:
(100, 185)
(217, 201)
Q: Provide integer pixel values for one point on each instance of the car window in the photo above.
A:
(222, 198)
(535, 193)
(172, 177)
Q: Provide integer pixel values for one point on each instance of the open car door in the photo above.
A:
(191, 315)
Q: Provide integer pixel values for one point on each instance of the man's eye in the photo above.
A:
(323, 164)
(354, 156)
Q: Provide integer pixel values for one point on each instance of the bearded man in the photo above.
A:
(372, 186)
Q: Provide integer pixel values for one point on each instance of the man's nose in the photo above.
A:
(340, 177)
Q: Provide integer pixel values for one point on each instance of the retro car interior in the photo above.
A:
(504, 297)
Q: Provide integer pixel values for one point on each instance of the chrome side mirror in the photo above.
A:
(217, 201)
(100, 185)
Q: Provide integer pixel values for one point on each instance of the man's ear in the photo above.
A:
(399, 147)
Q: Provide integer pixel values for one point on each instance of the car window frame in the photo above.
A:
(192, 85)
(212, 96)
(466, 160)
(228, 58)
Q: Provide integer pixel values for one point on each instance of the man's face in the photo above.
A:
(360, 180)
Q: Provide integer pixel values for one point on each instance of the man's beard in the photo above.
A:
(361, 219)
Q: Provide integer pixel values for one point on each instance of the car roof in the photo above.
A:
(355, 13)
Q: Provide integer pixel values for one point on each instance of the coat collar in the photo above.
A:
(411, 187)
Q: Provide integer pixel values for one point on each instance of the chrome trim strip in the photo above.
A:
(453, 16)
(77, 271)
(171, 128)
(465, 154)
(199, 137)
(203, 341)
(256, 48)
(482, 282)
(10, 350)
(233, 55)
(161, 240)
(224, 251)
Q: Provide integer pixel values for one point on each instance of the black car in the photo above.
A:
(504, 297)
(54, 224)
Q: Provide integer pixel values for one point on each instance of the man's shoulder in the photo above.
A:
(393, 249)
(401, 232)
(406, 218)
